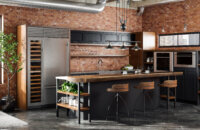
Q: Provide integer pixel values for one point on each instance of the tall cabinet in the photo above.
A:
(147, 44)
(44, 55)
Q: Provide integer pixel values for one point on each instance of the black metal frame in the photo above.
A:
(79, 115)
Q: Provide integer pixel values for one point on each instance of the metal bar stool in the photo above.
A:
(117, 89)
(145, 86)
(169, 84)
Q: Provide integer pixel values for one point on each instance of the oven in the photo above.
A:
(185, 59)
(163, 61)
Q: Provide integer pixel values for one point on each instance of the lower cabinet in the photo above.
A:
(187, 84)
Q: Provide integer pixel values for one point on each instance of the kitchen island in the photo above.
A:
(96, 99)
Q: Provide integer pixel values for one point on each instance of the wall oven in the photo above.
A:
(163, 62)
(185, 59)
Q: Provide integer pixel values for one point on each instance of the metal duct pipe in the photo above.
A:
(58, 4)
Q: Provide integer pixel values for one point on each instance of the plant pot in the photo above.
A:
(8, 104)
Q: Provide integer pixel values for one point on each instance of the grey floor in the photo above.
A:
(184, 117)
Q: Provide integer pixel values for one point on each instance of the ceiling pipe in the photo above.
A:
(58, 4)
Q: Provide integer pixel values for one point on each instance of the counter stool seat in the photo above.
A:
(169, 84)
(118, 88)
(145, 86)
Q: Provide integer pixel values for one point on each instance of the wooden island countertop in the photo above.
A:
(112, 77)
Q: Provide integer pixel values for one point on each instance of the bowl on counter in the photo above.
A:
(129, 67)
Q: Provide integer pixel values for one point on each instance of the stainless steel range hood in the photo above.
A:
(58, 4)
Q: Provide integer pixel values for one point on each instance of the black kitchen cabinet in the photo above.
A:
(190, 90)
(95, 37)
(92, 37)
(187, 84)
(76, 36)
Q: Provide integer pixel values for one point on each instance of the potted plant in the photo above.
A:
(9, 58)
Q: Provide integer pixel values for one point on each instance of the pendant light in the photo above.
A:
(123, 47)
(136, 47)
(109, 46)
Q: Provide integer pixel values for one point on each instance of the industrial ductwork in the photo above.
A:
(59, 4)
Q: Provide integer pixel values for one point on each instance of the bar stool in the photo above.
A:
(145, 86)
(169, 84)
(117, 89)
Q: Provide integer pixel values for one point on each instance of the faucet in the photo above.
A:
(100, 61)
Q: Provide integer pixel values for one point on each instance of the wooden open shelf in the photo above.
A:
(165, 96)
(35, 43)
(73, 107)
(32, 88)
(73, 94)
(88, 56)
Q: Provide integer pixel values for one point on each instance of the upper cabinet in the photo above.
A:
(96, 37)
(148, 40)
(176, 40)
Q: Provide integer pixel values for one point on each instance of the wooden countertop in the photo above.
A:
(100, 78)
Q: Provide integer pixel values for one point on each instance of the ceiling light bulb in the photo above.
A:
(185, 27)
(163, 29)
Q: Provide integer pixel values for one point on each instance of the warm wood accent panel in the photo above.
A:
(21, 76)
(101, 78)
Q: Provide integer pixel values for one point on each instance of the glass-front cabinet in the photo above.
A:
(171, 40)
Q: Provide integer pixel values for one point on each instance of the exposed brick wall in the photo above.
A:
(104, 21)
(172, 16)
(91, 64)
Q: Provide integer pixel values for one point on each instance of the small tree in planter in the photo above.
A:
(10, 59)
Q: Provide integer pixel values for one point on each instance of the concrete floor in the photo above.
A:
(184, 117)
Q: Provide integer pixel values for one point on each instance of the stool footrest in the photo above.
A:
(165, 96)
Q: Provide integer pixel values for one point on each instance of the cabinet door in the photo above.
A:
(190, 90)
(76, 36)
(181, 83)
(125, 37)
(91, 37)
(109, 37)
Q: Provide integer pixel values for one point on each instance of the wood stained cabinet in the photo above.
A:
(147, 43)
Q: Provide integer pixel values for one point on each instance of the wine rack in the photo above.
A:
(35, 71)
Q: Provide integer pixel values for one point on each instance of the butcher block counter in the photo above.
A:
(100, 78)
(96, 99)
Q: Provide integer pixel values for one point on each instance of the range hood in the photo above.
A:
(59, 4)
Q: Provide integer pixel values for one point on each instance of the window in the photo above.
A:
(190, 39)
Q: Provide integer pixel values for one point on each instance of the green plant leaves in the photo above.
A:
(70, 87)
(8, 53)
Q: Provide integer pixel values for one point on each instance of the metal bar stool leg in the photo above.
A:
(175, 98)
(110, 106)
(117, 111)
(168, 91)
(144, 101)
(125, 104)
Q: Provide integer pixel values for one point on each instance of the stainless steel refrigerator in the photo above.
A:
(54, 61)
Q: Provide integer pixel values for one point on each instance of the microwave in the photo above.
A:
(163, 62)
(185, 59)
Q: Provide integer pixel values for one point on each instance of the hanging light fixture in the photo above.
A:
(123, 6)
(136, 47)
(185, 17)
(109, 46)
(123, 47)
